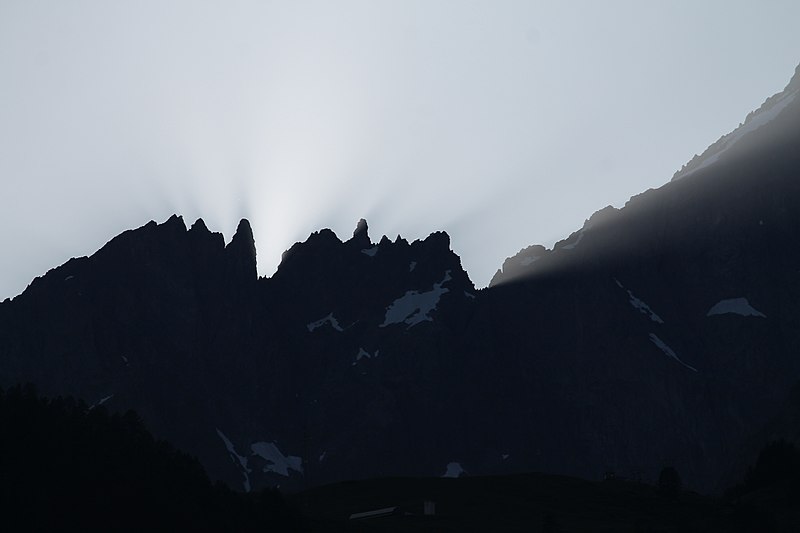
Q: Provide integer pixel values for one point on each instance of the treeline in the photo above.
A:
(767, 500)
(777, 467)
(66, 466)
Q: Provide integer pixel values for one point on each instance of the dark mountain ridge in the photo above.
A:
(661, 333)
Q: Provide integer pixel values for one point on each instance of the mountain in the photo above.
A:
(662, 333)
(254, 376)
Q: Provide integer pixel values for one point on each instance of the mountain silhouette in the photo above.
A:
(664, 332)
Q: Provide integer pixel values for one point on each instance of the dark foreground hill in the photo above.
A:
(768, 501)
(66, 466)
(520, 502)
(662, 333)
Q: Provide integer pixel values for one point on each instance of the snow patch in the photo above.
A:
(638, 304)
(100, 402)
(69, 278)
(454, 470)
(414, 306)
(668, 351)
(412, 265)
(237, 459)
(736, 306)
(276, 461)
(325, 320)
(574, 244)
(370, 251)
(104, 400)
(362, 353)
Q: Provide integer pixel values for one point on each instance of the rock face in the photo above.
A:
(297, 379)
(662, 333)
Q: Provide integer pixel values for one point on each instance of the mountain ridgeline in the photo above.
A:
(662, 333)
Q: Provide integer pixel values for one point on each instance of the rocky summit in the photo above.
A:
(662, 333)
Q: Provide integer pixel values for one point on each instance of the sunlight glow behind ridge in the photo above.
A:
(504, 123)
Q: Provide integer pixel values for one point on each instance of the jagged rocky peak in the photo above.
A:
(172, 228)
(175, 222)
(730, 143)
(525, 262)
(173, 246)
(150, 239)
(318, 244)
(519, 264)
(361, 234)
(323, 256)
(203, 240)
(200, 226)
(324, 243)
(438, 239)
(244, 235)
(241, 253)
(607, 214)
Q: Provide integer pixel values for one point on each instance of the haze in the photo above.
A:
(504, 123)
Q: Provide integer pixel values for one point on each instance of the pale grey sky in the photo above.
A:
(506, 123)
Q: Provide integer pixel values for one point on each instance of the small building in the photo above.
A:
(377, 513)
(406, 510)
(429, 508)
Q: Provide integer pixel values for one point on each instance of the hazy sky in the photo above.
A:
(505, 123)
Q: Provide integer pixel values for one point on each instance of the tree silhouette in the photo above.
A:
(669, 483)
(64, 466)
(778, 462)
(549, 524)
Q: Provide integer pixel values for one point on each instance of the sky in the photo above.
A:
(505, 123)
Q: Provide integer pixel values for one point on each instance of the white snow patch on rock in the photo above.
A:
(325, 320)
(454, 470)
(574, 244)
(370, 251)
(362, 353)
(101, 402)
(237, 459)
(639, 305)
(276, 461)
(414, 306)
(104, 400)
(69, 278)
(736, 306)
(667, 350)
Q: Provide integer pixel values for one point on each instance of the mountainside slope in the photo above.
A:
(661, 333)
(707, 267)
